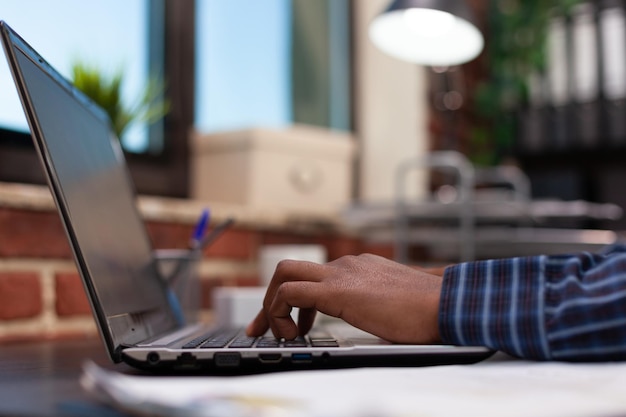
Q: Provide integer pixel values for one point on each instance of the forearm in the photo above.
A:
(546, 307)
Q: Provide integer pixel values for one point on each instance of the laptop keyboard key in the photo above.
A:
(211, 340)
(297, 342)
(268, 342)
(214, 344)
(192, 344)
(242, 342)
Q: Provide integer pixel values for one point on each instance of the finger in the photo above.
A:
(291, 270)
(258, 326)
(286, 270)
(301, 294)
(306, 318)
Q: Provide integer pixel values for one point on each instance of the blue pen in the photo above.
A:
(200, 229)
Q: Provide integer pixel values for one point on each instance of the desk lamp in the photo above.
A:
(428, 32)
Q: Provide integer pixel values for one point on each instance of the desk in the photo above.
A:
(41, 379)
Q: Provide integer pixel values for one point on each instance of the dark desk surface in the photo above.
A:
(42, 379)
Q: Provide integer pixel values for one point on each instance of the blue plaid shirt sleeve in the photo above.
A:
(560, 307)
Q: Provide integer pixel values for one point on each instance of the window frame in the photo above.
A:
(165, 173)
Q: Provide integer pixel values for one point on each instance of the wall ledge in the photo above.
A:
(185, 211)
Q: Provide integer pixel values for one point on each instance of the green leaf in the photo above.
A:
(106, 91)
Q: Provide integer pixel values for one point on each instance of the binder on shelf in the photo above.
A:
(531, 129)
(558, 87)
(583, 91)
(531, 119)
(584, 76)
(612, 25)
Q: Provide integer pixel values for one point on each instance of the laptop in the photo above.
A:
(137, 317)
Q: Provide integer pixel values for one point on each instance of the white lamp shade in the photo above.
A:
(426, 36)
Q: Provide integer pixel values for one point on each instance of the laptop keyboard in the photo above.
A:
(237, 339)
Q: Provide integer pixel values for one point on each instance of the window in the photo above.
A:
(291, 64)
(67, 31)
(272, 63)
(243, 66)
(110, 34)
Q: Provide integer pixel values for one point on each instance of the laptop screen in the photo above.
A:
(92, 188)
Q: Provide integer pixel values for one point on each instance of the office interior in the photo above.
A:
(286, 116)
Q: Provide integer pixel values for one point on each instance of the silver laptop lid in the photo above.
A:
(91, 185)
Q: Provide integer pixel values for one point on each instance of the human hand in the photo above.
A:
(395, 302)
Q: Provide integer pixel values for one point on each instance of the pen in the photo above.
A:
(198, 247)
(199, 242)
(214, 234)
(200, 228)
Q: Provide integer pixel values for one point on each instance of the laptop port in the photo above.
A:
(301, 358)
(227, 360)
(270, 357)
(186, 360)
(153, 358)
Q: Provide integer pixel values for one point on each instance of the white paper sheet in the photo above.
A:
(492, 388)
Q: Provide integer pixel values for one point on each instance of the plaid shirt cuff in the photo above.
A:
(498, 304)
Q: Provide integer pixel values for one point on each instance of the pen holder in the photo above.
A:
(179, 269)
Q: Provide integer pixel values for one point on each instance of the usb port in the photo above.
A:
(301, 358)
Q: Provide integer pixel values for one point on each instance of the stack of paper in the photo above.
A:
(492, 388)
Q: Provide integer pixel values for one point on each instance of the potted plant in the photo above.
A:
(106, 91)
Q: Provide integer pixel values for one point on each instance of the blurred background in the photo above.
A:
(542, 92)
(501, 136)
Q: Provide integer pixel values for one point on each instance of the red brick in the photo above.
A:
(234, 244)
(380, 249)
(274, 238)
(28, 233)
(70, 295)
(246, 281)
(169, 235)
(20, 295)
(339, 246)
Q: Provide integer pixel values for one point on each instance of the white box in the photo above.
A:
(270, 255)
(299, 168)
(236, 307)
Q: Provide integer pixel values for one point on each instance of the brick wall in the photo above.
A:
(41, 294)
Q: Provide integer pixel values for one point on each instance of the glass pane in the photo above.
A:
(321, 63)
(242, 64)
(108, 34)
(271, 63)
